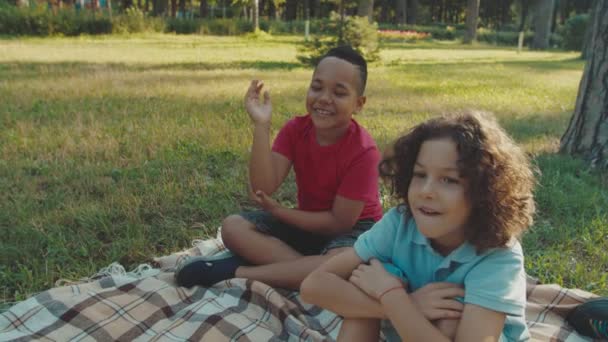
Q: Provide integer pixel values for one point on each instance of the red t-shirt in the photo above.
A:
(348, 168)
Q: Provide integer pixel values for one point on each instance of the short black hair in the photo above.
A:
(347, 53)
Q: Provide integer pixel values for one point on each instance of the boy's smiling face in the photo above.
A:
(437, 195)
(333, 95)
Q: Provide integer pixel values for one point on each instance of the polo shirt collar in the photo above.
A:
(463, 254)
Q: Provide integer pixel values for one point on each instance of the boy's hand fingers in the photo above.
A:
(444, 314)
(443, 285)
(452, 305)
(252, 87)
(259, 86)
(450, 292)
(266, 97)
(375, 262)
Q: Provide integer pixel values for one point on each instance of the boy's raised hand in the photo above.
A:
(260, 112)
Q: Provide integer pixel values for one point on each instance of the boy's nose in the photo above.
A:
(428, 188)
(325, 97)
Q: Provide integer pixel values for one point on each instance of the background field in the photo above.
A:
(121, 148)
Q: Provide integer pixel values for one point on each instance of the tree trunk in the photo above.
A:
(366, 9)
(412, 12)
(272, 10)
(554, 16)
(587, 46)
(506, 12)
(563, 5)
(182, 8)
(543, 10)
(256, 15)
(341, 25)
(203, 9)
(401, 13)
(472, 13)
(173, 8)
(315, 11)
(290, 10)
(587, 133)
(524, 14)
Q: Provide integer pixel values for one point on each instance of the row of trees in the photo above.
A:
(542, 16)
(496, 14)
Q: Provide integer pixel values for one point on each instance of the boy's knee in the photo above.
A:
(232, 226)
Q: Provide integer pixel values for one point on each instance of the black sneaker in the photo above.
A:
(591, 318)
(206, 271)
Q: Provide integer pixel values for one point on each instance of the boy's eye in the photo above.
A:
(315, 86)
(450, 180)
(419, 174)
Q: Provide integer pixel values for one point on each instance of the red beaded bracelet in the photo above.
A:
(389, 290)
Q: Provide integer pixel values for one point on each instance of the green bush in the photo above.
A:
(23, 21)
(183, 26)
(439, 32)
(357, 32)
(225, 27)
(363, 37)
(509, 38)
(132, 21)
(573, 32)
(41, 22)
(317, 26)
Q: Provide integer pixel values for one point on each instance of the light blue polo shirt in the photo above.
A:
(494, 279)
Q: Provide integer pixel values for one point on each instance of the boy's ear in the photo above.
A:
(360, 103)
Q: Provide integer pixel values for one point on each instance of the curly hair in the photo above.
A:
(500, 176)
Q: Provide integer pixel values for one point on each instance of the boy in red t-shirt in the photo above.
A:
(336, 165)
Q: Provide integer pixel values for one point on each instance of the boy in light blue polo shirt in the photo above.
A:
(445, 264)
(494, 279)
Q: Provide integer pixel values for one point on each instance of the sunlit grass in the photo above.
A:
(120, 148)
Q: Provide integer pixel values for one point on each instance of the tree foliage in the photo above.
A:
(356, 32)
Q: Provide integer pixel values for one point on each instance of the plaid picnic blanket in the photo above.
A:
(146, 305)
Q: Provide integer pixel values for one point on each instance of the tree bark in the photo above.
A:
(204, 9)
(587, 46)
(506, 14)
(401, 13)
(182, 8)
(543, 10)
(554, 15)
(256, 15)
(366, 9)
(472, 13)
(290, 10)
(524, 14)
(412, 12)
(587, 133)
(315, 9)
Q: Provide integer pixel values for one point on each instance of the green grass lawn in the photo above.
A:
(122, 148)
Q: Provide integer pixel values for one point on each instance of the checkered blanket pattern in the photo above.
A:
(147, 306)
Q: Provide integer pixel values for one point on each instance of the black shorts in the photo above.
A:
(302, 241)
